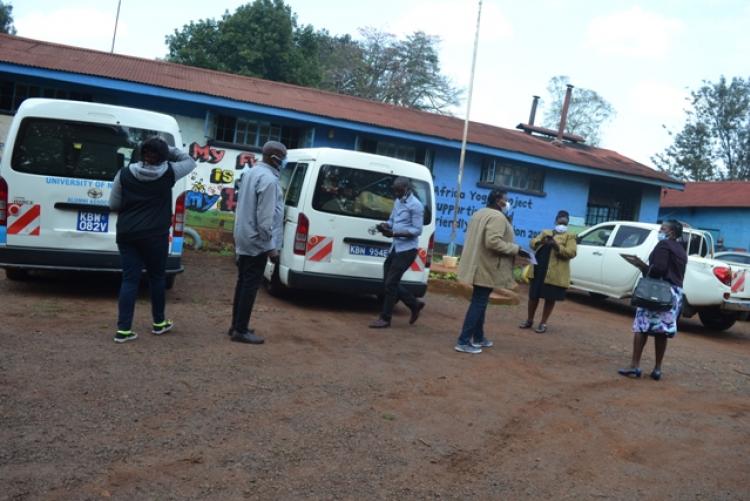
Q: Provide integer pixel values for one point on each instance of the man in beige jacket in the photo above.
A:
(486, 263)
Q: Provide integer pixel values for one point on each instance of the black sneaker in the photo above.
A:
(162, 327)
(247, 337)
(125, 336)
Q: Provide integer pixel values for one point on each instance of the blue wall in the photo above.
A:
(531, 213)
(650, 200)
(730, 224)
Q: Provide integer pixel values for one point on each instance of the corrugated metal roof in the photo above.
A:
(46, 55)
(708, 194)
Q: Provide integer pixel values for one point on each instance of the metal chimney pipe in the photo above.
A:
(564, 115)
(532, 115)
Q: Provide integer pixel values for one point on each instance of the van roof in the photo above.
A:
(335, 155)
(96, 112)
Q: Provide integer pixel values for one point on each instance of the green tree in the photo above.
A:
(262, 39)
(259, 39)
(588, 112)
(714, 144)
(6, 19)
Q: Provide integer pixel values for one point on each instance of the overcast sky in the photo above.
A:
(643, 57)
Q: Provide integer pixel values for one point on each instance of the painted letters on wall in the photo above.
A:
(211, 198)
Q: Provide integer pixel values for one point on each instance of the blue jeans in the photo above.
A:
(151, 254)
(473, 328)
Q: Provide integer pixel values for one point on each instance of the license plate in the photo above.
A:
(96, 222)
(367, 250)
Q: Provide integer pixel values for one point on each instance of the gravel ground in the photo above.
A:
(328, 409)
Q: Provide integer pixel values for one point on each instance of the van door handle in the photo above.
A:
(597, 253)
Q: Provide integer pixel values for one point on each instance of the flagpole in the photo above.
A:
(117, 20)
(457, 204)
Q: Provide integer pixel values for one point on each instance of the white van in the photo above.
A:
(334, 199)
(59, 160)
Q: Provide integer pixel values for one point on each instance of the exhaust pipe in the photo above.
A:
(564, 114)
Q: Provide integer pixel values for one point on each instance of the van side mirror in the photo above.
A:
(578, 239)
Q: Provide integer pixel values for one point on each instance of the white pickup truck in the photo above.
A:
(715, 290)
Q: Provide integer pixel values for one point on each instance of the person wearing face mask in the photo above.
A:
(258, 235)
(404, 227)
(486, 263)
(667, 261)
(550, 277)
(142, 196)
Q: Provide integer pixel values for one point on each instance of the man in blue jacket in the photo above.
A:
(404, 226)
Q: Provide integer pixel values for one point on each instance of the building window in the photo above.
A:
(400, 151)
(511, 175)
(307, 138)
(611, 201)
(243, 131)
(406, 152)
(12, 94)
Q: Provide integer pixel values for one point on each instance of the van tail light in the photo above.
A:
(724, 274)
(3, 202)
(300, 236)
(430, 251)
(178, 221)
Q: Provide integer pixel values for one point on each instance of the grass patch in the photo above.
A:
(212, 219)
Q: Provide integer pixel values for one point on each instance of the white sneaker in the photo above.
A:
(467, 348)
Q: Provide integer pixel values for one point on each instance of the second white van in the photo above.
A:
(333, 201)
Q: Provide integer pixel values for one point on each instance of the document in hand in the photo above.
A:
(634, 260)
(528, 254)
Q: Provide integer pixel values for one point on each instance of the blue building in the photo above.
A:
(723, 208)
(225, 118)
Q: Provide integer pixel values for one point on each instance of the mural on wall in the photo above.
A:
(522, 207)
(211, 198)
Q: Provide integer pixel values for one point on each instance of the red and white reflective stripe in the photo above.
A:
(738, 281)
(420, 262)
(319, 249)
(24, 219)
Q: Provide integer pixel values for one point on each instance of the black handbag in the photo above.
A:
(652, 294)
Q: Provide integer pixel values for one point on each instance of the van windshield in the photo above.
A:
(76, 149)
(363, 193)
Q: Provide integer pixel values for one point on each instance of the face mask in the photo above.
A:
(504, 209)
(281, 162)
(561, 228)
(662, 236)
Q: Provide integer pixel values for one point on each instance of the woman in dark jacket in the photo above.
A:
(667, 262)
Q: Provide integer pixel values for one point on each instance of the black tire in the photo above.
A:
(170, 281)
(717, 320)
(274, 286)
(16, 274)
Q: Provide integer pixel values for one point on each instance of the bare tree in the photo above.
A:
(587, 114)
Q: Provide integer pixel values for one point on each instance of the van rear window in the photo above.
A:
(76, 149)
(363, 193)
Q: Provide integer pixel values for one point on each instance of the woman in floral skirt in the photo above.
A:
(667, 262)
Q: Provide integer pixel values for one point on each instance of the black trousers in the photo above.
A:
(394, 268)
(249, 274)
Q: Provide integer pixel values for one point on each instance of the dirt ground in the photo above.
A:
(328, 409)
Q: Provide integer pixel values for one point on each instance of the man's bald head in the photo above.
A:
(273, 153)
